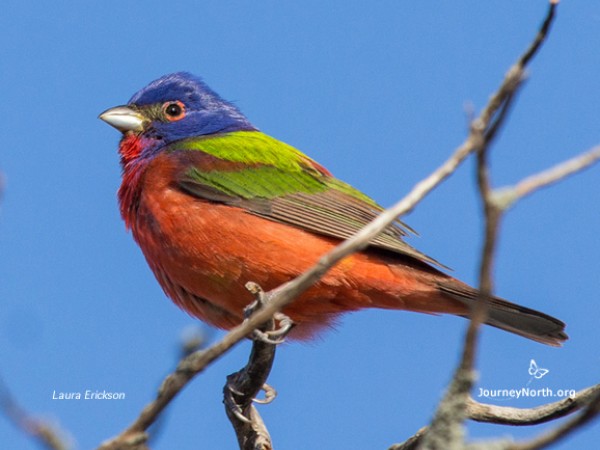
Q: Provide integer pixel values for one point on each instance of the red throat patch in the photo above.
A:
(130, 148)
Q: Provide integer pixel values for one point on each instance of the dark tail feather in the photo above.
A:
(508, 316)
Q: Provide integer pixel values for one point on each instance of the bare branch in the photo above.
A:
(505, 197)
(48, 435)
(541, 36)
(591, 411)
(482, 412)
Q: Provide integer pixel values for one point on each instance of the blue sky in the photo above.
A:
(375, 91)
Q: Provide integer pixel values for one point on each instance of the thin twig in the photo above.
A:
(48, 435)
(541, 36)
(505, 197)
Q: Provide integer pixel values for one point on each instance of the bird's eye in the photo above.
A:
(174, 111)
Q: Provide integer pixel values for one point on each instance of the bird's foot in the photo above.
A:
(234, 406)
(276, 336)
(284, 323)
(270, 395)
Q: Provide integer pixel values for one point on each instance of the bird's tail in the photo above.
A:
(508, 316)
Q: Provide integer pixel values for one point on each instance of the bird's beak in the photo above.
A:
(124, 118)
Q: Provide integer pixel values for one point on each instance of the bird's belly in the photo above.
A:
(210, 251)
(204, 253)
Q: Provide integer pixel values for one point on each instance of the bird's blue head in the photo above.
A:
(175, 107)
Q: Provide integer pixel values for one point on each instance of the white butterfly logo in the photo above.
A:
(535, 371)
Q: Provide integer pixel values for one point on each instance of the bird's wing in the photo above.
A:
(271, 179)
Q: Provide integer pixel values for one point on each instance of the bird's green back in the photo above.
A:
(266, 177)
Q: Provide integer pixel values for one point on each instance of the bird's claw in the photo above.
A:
(233, 390)
(235, 408)
(270, 395)
(264, 336)
(277, 336)
(237, 412)
(285, 324)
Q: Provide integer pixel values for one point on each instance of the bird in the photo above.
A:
(213, 203)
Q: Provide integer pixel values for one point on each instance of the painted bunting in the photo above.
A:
(214, 203)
